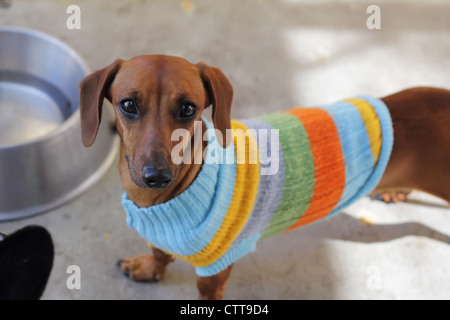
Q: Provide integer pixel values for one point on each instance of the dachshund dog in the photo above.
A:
(210, 213)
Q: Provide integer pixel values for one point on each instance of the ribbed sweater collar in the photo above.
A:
(185, 224)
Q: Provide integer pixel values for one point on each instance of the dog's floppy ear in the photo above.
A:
(220, 96)
(93, 89)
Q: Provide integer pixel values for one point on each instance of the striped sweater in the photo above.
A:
(328, 157)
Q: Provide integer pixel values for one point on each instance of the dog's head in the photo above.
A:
(152, 96)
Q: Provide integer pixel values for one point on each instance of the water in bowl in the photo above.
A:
(29, 107)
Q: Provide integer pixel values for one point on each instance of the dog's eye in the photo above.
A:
(187, 110)
(128, 106)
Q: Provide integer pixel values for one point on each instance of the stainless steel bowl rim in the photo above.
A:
(109, 150)
(74, 119)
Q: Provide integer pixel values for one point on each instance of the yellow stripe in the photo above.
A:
(245, 190)
(372, 123)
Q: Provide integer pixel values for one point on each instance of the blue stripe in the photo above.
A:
(358, 159)
(387, 134)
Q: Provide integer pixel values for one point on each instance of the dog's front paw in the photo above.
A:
(142, 268)
(392, 196)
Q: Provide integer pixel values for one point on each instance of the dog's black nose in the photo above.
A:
(156, 178)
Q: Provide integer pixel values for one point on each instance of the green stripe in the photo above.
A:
(299, 172)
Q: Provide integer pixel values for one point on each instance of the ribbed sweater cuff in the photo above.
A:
(244, 247)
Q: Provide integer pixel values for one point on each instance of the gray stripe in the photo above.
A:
(270, 187)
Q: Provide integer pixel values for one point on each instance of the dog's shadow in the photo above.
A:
(302, 264)
(355, 230)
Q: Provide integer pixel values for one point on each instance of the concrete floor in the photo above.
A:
(277, 54)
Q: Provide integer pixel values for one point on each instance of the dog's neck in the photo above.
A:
(144, 197)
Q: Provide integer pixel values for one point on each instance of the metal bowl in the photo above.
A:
(43, 162)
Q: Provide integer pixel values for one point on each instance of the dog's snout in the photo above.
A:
(156, 178)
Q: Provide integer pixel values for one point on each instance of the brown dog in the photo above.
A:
(154, 95)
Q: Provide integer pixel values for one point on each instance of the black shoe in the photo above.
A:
(26, 259)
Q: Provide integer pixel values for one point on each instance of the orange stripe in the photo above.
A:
(329, 166)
